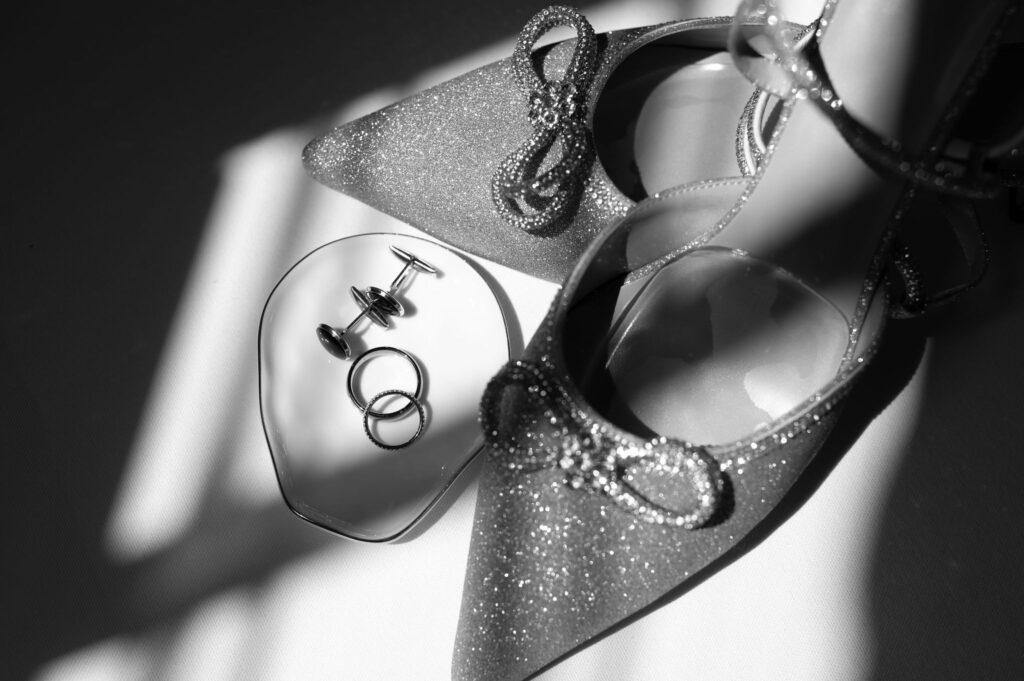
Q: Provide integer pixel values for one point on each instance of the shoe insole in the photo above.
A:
(668, 116)
(724, 340)
(711, 347)
(733, 335)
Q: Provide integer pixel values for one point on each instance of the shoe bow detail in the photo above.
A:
(528, 192)
(596, 459)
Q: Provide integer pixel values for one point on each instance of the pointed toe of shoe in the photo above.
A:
(429, 160)
(564, 568)
(327, 157)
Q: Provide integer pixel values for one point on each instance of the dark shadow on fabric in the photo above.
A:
(946, 598)
(120, 116)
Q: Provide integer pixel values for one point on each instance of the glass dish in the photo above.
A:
(329, 471)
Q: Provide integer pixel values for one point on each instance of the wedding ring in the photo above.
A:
(414, 397)
(413, 402)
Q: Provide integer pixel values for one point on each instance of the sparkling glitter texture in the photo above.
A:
(595, 457)
(528, 192)
(557, 557)
(429, 160)
(551, 566)
(563, 546)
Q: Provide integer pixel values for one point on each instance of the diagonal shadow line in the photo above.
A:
(245, 384)
(166, 585)
(234, 545)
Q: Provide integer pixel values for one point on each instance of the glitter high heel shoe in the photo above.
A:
(523, 161)
(744, 331)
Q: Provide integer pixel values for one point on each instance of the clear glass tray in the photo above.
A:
(329, 471)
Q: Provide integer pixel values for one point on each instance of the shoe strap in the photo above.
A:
(914, 298)
(972, 240)
(999, 158)
(782, 58)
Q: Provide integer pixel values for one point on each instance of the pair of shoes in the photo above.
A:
(701, 348)
(747, 334)
(524, 161)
